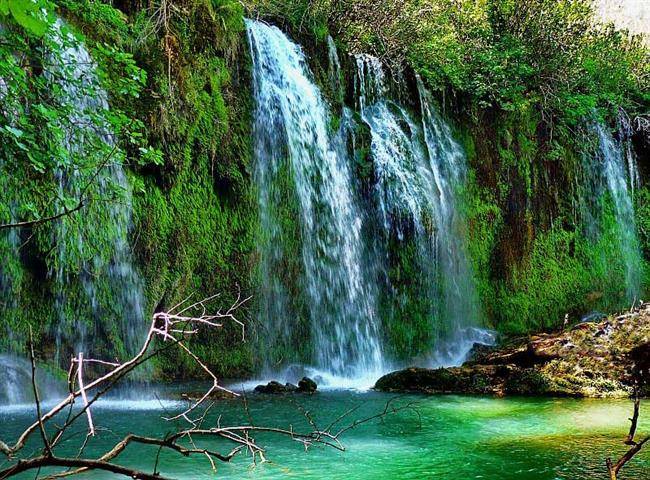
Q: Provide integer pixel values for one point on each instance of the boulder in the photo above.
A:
(272, 387)
(598, 358)
(482, 379)
(307, 385)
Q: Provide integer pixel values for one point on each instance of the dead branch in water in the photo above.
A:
(614, 468)
(171, 329)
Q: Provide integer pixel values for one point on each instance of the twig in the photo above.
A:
(91, 427)
(46, 443)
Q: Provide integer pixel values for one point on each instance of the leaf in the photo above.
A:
(26, 13)
(16, 132)
(36, 163)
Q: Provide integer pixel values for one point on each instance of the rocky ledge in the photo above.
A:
(591, 359)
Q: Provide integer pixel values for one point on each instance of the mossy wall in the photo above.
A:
(195, 220)
(534, 259)
(194, 207)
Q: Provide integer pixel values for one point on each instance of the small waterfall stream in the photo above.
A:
(608, 207)
(119, 301)
(420, 168)
(16, 387)
(97, 291)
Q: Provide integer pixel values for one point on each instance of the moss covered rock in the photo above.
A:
(600, 359)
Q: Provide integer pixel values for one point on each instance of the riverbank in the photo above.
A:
(602, 358)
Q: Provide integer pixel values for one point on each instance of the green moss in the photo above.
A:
(196, 228)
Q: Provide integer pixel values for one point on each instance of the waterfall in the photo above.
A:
(420, 168)
(608, 209)
(294, 145)
(16, 386)
(97, 292)
(119, 301)
(306, 170)
(335, 75)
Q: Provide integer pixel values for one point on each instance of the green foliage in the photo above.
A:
(565, 274)
(507, 54)
(304, 17)
(28, 14)
(408, 311)
(182, 130)
(642, 211)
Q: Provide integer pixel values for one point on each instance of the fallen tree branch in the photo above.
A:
(614, 468)
(171, 328)
(46, 461)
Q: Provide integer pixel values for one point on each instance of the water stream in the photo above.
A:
(418, 168)
(295, 145)
(117, 302)
(97, 292)
(611, 175)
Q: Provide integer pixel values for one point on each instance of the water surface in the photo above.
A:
(449, 437)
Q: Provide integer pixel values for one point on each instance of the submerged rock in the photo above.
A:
(594, 359)
(196, 395)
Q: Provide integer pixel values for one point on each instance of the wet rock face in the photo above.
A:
(305, 385)
(606, 358)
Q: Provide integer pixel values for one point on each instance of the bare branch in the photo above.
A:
(46, 443)
(171, 328)
(614, 468)
(91, 427)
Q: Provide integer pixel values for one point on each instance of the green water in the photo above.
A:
(450, 437)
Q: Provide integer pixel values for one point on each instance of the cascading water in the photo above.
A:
(461, 305)
(293, 144)
(419, 168)
(336, 81)
(608, 208)
(16, 387)
(97, 291)
(86, 129)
